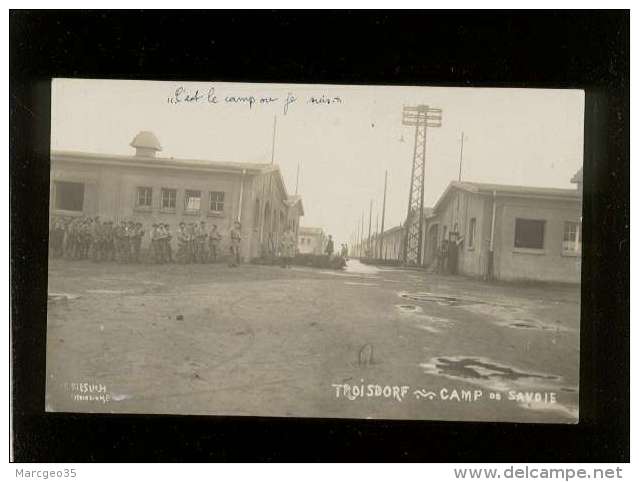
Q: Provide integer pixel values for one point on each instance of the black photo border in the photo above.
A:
(541, 49)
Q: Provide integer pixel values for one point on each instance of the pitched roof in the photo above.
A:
(509, 190)
(162, 162)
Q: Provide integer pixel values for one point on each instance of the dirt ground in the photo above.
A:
(366, 342)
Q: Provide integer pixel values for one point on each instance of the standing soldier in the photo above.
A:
(214, 242)
(168, 255)
(96, 239)
(183, 244)
(128, 241)
(118, 234)
(109, 247)
(123, 242)
(192, 247)
(161, 238)
(135, 241)
(236, 238)
(85, 233)
(329, 246)
(155, 243)
(201, 236)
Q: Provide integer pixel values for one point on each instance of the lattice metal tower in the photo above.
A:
(422, 117)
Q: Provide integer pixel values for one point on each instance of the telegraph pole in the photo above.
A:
(361, 237)
(356, 247)
(370, 223)
(381, 236)
(377, 234)
(422, 117)
(461, 156)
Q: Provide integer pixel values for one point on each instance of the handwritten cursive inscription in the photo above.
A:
(210, 96)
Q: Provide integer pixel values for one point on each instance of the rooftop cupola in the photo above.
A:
(146, 144)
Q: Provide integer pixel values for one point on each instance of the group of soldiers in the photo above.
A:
(90, 238)
(197, 244)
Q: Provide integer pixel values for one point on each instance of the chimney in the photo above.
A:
(146, 144)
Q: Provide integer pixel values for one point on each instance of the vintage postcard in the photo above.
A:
(296, 250)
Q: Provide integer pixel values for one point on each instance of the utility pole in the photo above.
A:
(297, 180)
(370, 223)
(377, 235)
(381, 237)
(356, 247)
(361, 237)
(422, 117)
(461, 156)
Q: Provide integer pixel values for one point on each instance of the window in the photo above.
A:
(192, 200)
(572, 237)
(529, 233)
(216, 201)
(69, 196)
(471, 232)
(444, 233)
(144, 197)
(168, 198)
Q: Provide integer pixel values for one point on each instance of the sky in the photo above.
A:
(531, 137)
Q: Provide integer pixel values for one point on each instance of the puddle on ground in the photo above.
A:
(355, 283)
(532, 325)
(530, 387)
(421, 320)
(349, 275)
(354, 266)
(503, 315)
(443, 300)
(109, 292)
(53, 297)
(479, 368)
(409, 308)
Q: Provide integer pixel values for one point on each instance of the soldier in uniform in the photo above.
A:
(135, 239)
(96, 239)
(109, 247)
(236, 238)
(214, 242)
(329, 246)
(182, 254)
(119, 235)
(166, 243)
(190, 230)
(200, 239)
(155, 243)
(85, 238)
(127, 244)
